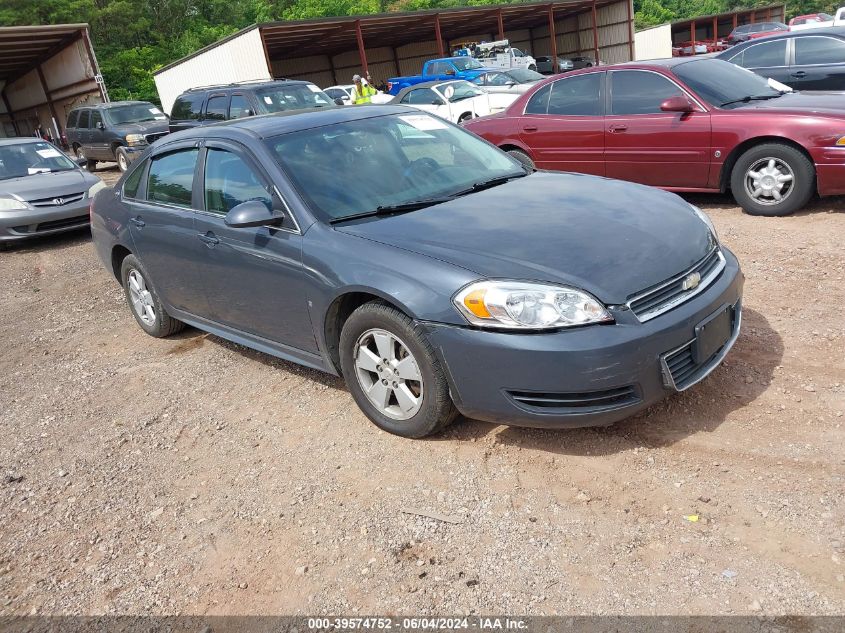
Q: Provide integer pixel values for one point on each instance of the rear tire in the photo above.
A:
(532, 67)
(144, 302)
(466, 116)
(122, 158)
(90, 165)
(770, 170)
(410, 399)
(522, 157)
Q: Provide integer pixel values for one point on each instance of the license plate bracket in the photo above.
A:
(712, 334)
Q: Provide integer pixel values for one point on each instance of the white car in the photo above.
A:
(345, 92)
(505, 86)
(456, 100)
(817, 20)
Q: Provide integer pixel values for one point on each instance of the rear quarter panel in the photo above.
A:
(110, 225)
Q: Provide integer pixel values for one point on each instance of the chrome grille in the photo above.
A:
(655, 301)
(58, 201)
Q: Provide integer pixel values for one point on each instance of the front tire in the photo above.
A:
(122, 158)
(144, 302)
(522, 157)
(466, 116)
(772, 179)
(393, 373)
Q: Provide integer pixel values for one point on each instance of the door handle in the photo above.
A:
(137, 221)
(209, 238)
(799, 74)
(617, 128)
(529, 128)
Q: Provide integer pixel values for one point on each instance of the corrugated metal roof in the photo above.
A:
(23, 47)
(328, 36)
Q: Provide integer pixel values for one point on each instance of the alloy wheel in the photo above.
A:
(769, 181)
(142, 300)
(388, 374)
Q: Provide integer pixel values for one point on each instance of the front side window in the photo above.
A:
(187, 108)
(637, 92)
(763, 55)
(216, 108)
(466, 63)
(229, 181)
(239, 107)
(422, 96)
(577, 96)
(84, 119)
(133, 181)
(171, 179)
(357, 166)
(819, 50)
(96, 118)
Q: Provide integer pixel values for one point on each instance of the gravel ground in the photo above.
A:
(191, 475)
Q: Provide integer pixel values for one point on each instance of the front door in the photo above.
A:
(161, 223)
(819, 63)
(97, 146)
(646, 145)
(253, 276)
(563, 125)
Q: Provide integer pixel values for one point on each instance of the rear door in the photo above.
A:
(83, 135)
(768, 59)
(646, 145)
(563, 124)
(161, 223)
(253, 276)
(818, 63)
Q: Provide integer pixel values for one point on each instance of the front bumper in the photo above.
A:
(830, 170)
(27, 223)
(590, 376)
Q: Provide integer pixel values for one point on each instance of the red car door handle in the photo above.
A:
(617, 128)
(529, 128)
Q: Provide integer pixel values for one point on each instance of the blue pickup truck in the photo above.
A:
(440, 69)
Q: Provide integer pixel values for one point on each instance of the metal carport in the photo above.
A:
(45, 71)
(329, 51)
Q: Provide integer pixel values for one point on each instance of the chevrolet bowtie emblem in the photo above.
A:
(691, 281)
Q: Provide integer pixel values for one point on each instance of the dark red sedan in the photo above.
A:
(696, 125)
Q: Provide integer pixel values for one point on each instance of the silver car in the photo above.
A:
(42, 191)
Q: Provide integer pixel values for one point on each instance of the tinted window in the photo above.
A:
(336, 93)
(84, 118)
(423, 96)
(819, 50)
(229, 181)
(133, 181)
(282, 97)
(73, 118)
(539, 103)
(96, 118)
(216, 108)
(580, 96)
(187, 107)
(634, 92)
(763, 55)
(239, 107)
(438, 68)
(172, 178)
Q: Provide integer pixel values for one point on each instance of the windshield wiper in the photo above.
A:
(748, 98)
(487, 184)
(391, 209)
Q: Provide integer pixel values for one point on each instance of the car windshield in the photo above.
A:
(28, 159)
(136, 113)
(292, 97)
(466, 63)
(356, 167)
(524, 76)
(719, 82)
(459, 90)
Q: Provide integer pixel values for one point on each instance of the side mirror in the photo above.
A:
(251, 213)
(80, 160)
(450, 71)
(339, 101)
(679, 103)
(101, 126)
(510, 84)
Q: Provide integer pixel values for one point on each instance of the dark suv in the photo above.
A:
(117, 131)
(211, 104)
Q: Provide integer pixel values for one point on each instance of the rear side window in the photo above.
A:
(819, 50)
(216, 108)
(133, 181)
(637, 92)
(187, 107)
(763, 55)
(73, 118)
(577, 96)
(229, 181)
(172, 178)
(84, 117)
(539, 103)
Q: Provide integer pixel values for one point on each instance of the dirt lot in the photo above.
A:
(190, 475)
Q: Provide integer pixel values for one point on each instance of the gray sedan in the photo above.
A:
(42, 191)
(434, 272)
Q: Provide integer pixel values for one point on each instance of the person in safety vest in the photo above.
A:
(363, 91)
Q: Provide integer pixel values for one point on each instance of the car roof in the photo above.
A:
(268, 125)
(21, 140)
(110, 104)
(439, 82)
(247, 84)
(837, 31)
(341, 86)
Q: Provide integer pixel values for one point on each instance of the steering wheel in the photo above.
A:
(421, 168)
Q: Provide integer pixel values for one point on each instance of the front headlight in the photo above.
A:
(528, 306)
(95, 188)
(706, 219)
(12, 204)
(135, 139)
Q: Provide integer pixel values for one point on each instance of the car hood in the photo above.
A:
(144, 127)
(816, 102)
(49, 185)
(608, 237)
